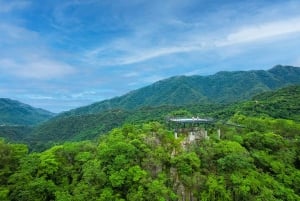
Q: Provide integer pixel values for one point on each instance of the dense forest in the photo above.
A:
(145, 162)
(283, 103)
(257, 160)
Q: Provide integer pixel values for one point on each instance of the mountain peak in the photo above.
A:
(280, 67)
(222, 87)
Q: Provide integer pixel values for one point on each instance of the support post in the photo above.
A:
(219, 133)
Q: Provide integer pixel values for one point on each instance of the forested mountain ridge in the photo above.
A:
(222, 87)
(156, 101)
(80, 124)
(13, 112)
(18, 119)
(282, 103)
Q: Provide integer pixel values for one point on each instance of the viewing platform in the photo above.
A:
(193, 128)
(191, 120)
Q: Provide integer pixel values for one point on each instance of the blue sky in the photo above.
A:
(62, 54)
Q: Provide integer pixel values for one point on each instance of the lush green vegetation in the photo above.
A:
(145, 162)
(86, 127)
(283, 103)
(15, 133)
(141, 160)
(17, 119)
(155, 103)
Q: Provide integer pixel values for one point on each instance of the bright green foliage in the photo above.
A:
(215, 189)
(10, 156)
(259, 161)
(283, 127)
(283, 103)
(257, 157)
(186, 163)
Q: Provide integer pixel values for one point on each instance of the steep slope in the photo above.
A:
(15, 133)
(16, 113)
(283, 103)
(90, 126)
(222, 87)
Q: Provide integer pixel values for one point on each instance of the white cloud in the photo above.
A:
(83, 94)
(154, 53)
(261, 32)
(25, 54)
(38, 68)
(135, 54)
(8, 6)
(38, 97)
(138, 48)
(13, 34)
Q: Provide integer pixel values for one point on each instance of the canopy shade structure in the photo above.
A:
(190, 120)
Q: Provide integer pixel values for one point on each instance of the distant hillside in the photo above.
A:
(16, 113)
(15, 133)
(90, 126)
(222, 87)
(283, 103)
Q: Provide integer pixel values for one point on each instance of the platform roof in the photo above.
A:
(190, 120)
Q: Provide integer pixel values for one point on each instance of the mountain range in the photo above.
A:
(13, 112)
(219, 96)
(222, 87)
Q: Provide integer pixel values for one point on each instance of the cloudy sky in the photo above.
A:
(61, 54)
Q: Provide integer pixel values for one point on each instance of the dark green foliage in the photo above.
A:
(15, 113)
(15, 133)
(77, 128)
(83, 127)
(10, 159)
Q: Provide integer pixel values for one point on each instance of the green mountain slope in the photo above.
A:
(90, 126)
(283, 103)
(223, 87)
(15, 133)
(18, 119)
(16, 113)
